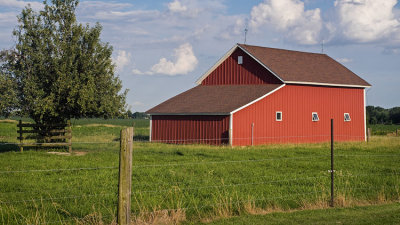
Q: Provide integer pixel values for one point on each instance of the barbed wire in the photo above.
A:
(57, 170)
(222, 162)
(225, 185)
(56, 198)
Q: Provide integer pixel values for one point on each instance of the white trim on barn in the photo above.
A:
(262, 64)
(198, 81)
(151, 123)
(365, 117)
(326, 84)
(258, 99)
(231, 129)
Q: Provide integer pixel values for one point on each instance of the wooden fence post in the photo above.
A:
(397, 132)
(70, 137)
(125, 176)
(368, 134)
(21, 147)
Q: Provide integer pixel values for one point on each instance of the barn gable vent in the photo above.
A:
(240, 59)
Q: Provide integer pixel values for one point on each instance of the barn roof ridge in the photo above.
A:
(298, 67)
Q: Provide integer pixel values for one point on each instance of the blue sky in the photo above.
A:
(162, 47)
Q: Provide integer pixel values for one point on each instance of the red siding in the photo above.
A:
(190, 129)
(230, 72)
(297, 104)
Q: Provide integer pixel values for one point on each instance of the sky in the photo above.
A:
(161, 47)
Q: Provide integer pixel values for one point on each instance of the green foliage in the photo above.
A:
(62, 68)
(8, 89)
(379, 115)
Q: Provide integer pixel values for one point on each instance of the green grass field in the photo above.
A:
(186, 183)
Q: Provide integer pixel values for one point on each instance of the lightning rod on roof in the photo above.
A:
(245, 31)
(322, 46)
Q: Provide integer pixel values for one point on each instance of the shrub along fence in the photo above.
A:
(54, 135)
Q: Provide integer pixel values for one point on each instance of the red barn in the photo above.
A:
(258, 95)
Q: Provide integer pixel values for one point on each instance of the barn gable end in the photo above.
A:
(231, 72)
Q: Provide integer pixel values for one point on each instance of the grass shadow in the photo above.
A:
(8, 147)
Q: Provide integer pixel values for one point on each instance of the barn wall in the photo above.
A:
(297, 104)
(230, 72)
(180, 129)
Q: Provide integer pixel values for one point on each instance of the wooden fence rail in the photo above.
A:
(56, 135)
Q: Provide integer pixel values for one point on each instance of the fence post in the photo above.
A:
(368, 134)
(70, 137)
(252, 134)
(332, 168)
(397, 132)
(21, 147)
(125, 177)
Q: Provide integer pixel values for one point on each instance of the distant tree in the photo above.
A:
(129, 114)
(61, 68)
(8, 88)
(394, 115)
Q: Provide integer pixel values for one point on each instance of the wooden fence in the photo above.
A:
(54, 135)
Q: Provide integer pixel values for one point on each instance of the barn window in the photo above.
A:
(315, 116)
(278, 116)
(347, 117)
(240, 59)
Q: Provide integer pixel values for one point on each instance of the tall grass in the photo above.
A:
(174, 183)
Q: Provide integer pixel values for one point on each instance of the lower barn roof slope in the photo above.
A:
(212, 100)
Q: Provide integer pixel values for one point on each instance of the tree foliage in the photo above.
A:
(61, 68)
(8, 89)
(379, 115)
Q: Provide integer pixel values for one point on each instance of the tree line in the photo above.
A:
(379, 115)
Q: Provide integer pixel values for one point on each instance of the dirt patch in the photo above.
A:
(60, 153)
(101, 125)
(68, 154)
(80, 153)
(8, 121)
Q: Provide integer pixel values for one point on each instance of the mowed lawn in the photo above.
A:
(186, 183)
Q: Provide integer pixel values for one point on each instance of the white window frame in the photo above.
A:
(312, 117)
(345, 117)
(276, 115)
(240, 59)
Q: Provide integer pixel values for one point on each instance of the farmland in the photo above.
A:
(186, 183)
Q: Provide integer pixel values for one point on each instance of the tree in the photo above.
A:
(61, 68)
(8, 93)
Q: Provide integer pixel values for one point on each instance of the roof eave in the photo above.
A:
(328, 84)
(191, 114)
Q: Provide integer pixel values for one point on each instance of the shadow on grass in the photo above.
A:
(12, 147)
(136, 138)
(8, 147)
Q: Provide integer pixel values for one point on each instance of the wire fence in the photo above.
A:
(202, 181)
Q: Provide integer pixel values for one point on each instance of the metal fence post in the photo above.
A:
(125, 176)
(332, 168)
(252, 134)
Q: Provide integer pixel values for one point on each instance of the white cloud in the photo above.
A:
(344, 60)
(123, 59)
(290, 18)
(20, 4)
(365, 21)
(176, 7)
(185, 62)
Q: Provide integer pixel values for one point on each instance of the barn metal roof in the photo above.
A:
(213, 99)
(294, 67)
